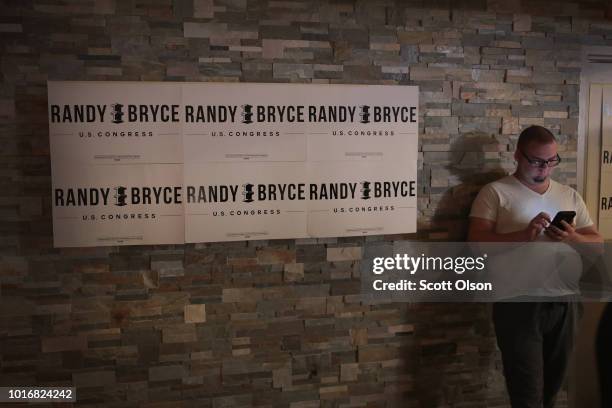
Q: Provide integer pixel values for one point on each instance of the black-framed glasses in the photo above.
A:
(541, 162)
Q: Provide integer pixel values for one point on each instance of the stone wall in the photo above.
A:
(272, 323)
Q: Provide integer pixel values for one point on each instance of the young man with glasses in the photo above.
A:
(535, 338)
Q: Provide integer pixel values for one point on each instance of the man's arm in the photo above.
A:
(590, 235)
(593, 239)
(483, 230)
(586, 240)
(586, 235)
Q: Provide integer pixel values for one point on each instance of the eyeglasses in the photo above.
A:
(542, 163)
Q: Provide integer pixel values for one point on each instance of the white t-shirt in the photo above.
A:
(538, 269)
(512, 205)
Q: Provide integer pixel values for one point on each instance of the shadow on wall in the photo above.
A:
(468, 169)
(459, 175)
(449, 359)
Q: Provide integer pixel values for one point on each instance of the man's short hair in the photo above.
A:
(535, 134)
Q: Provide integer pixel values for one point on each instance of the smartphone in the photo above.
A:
(567, 216)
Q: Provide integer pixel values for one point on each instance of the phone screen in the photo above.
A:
(567, 216)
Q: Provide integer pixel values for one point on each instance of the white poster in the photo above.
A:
(253, 161)
(241, 123)
(375, 198)
(117, 205)
(363, 123)
(605, 187)
(238, 201)
(115, 122)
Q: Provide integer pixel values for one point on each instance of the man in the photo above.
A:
(535, 338)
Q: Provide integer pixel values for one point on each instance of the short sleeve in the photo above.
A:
(486, 204)
(583, 218)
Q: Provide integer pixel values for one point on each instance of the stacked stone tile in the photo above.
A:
(279, 323)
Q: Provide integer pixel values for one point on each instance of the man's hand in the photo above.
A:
(567, 234)
(537, 225)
